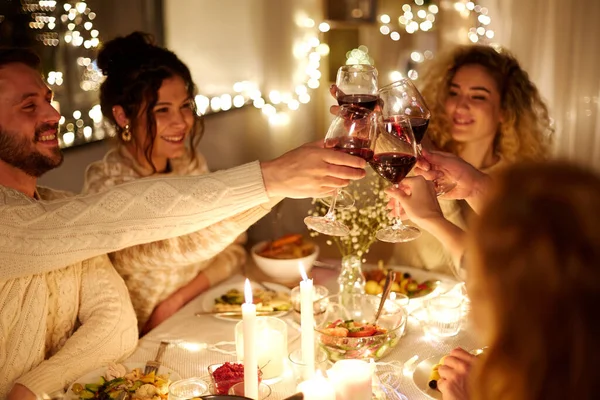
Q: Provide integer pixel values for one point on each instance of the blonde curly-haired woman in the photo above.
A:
(485, 109)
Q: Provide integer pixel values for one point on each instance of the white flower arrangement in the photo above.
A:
(368, 214)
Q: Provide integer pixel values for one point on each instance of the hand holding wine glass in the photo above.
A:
(394, 156)
(352, 132)
(403, 98)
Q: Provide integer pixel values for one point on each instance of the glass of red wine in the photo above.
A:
(355, 84)
(395, 154)
(353, 132)
(403, 98)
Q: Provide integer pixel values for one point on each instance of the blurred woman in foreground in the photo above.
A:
(533, 261)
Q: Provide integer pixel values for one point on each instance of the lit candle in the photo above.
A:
(352, 379)
(317, 388)
(307, 324)
(250, 360)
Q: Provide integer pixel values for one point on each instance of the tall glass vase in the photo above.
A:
(351, 279)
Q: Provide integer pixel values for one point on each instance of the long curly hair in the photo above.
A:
(534, 279)
(135, 68)
(524, 134)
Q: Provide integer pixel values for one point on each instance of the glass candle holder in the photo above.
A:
(319, 292)
(298, 366)
(444, 315)
(186, 389)
(264, 391)
(271, 345)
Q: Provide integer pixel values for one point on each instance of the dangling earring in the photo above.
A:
(126, 134)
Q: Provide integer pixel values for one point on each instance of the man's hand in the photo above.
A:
(454, 375)
(310, 171)
(20, 392)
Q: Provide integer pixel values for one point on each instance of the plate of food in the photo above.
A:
(225, 301)
(111, 381)
(426, 374)
(412, 282)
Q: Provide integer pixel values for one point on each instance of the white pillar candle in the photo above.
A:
(250, 360)
(307, 324)
(317, 388)
(352, 379)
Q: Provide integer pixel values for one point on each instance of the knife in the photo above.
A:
(237, 313)
(297, 396)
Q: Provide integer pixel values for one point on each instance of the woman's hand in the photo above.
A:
(162, 311)
(20, 392)
(416, 199)
(469, 180)
(454, 375)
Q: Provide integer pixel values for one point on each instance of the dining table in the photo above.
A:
(197, 341)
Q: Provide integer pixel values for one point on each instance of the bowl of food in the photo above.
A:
(224, 376)
(345, 326)
(281, 259)
(409, 282)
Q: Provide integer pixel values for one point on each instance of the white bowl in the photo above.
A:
(283, 270)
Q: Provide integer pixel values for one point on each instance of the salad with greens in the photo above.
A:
(117, 382)
(352, 339)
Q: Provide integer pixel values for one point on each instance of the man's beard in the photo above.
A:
(21, 153)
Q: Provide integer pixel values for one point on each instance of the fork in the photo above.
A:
(123, 396)
(153, 366)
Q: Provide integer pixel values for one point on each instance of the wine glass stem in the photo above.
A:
(331, 212)
(398, 225)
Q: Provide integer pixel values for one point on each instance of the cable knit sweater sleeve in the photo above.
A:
(108, 331)
(180, 251)
(36, 237)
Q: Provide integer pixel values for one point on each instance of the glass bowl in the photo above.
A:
(359, 308)
(264, 391)
(187, 388)
(222, 386)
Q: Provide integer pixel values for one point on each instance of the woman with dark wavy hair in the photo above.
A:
(486, 110)
(148, 97)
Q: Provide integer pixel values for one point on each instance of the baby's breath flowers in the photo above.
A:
(365, 218)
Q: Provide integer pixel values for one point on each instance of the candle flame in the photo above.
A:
(302, 272)
(248, 292)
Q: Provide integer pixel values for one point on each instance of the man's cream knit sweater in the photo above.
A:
(64, 311)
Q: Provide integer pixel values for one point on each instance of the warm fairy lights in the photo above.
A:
(78, 19)
(420, 17)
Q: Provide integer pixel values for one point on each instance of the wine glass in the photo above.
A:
(352, 131)
(403, 98)
(395, 154)
(355, 84)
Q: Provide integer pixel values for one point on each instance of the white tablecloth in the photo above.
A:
(192, 337)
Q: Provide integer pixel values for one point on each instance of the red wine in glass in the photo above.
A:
(419, 127)
(362, 100)
(351, 145)
(393, 166)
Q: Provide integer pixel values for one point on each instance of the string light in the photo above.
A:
(417, 16)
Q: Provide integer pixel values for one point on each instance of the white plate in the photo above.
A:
(421, 376)
(210, 295)
(423, 371)
(94, 376)
(446, 282)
